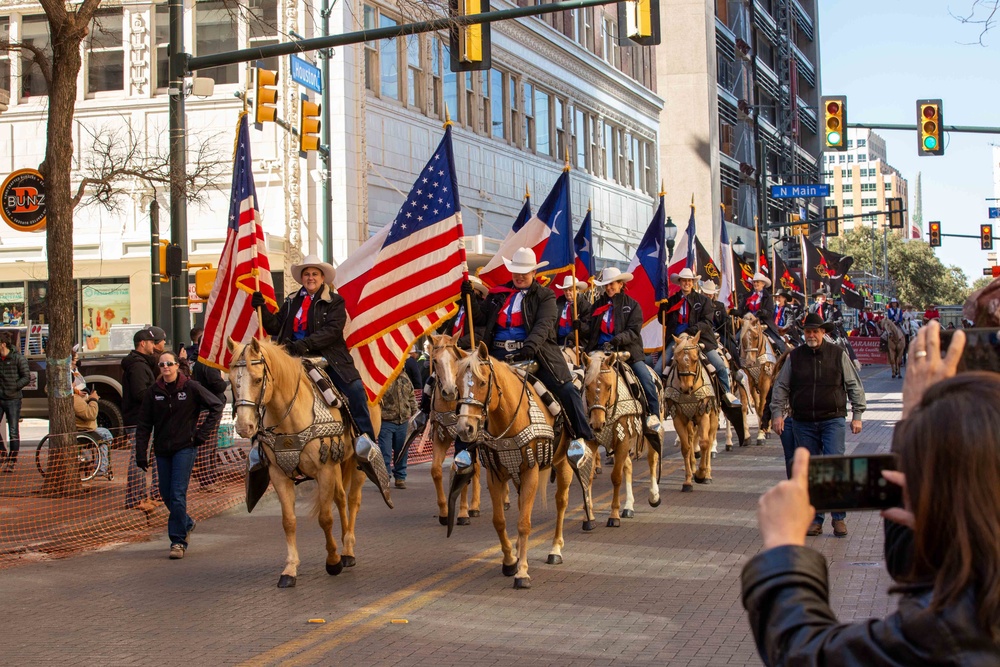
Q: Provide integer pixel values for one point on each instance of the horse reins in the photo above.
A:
(258, 405)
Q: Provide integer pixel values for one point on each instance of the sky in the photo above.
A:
(884, 55)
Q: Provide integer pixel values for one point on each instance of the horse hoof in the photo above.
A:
(588, 526)
(702, 480)
(687, 488)
(655, 502)
(336, 568)
(286, 581)
(522, 582)
(729, 448)
(349, 561)
(628, 514)
(554, 559)
(443, 520)
(597, 471)
(509, 570)
(473, 513)
(506, 506)
(614, 523)
(463, 521)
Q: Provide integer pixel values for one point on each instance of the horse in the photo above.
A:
(757, 360)
(896, 344)
(519, 440)
(694, 407)
(617, 420)
(272, 391)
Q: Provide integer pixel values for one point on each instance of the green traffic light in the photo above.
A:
(833, 139)
(930, 143)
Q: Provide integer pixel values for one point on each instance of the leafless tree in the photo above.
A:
(982, 13)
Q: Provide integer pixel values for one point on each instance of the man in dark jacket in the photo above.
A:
(616, 325)
(519, 322)
(205, 470)
(311, 322)
(14, 377)
(570, 320)
(138, 374)
(813, 387)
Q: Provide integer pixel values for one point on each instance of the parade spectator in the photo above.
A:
(14, 377)
(813, 387)
(413, 369)
(205, 467)
(138, 374)
(169, 412)
(931, 314)
(86, 408)
(398, 405)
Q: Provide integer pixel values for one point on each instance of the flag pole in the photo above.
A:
(576, 314)
(468, 297)
(756, 243)
(256, 280)
(663, 322)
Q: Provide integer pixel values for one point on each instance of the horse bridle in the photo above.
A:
(677, 352)
(258, 405)
(484, 406)
(597, 392)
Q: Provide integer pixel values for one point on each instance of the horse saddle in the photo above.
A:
(635, 387)
(315, 370)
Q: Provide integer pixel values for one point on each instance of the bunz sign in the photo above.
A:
(22, 201)
(868, 350)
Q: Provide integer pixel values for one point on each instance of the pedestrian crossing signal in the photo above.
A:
(986, 236)
(935, 234)
(641, 21)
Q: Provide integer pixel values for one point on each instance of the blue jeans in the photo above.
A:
(12, 411)
(721, 368)
(357, 403)
(642, 372)
(104, 439)
(390, 440)
(135, 488)
(822, 438)
(175, 473)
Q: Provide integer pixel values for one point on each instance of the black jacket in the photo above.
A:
(583, 310)
(170, 413)
(766, 310)
(211, 379)
(14, 376)
(324, 329)
(138, 375)
(627, 332)
(540, 317)
(786, 594)
(704, 315)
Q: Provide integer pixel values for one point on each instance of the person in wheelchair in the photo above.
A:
(616, 326)
(86, 409)
(519, 324)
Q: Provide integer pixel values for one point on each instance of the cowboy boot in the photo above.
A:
(460, 478)
(371, 463)
(582, 460)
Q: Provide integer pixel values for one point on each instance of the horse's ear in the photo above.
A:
(255, 345)
(697, 336)
(676, 340)
(231, 344)
(484, 353)
(585, 358)
(453, 340)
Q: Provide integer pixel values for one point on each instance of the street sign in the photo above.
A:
(796, 191)
(994, 212)
(306, 74)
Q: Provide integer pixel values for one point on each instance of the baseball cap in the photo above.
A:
(155, 334)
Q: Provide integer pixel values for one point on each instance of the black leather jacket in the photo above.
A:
(627, 318)
(786, 594)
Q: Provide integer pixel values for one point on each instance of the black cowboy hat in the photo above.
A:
(814, 321)
(820, 292)
(785, 293)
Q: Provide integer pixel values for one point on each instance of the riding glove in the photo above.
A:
(298, 348)
(257, 300)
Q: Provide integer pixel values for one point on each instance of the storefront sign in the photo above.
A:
(103, 306)
(11, 306)
(867, 349)
(22, 201)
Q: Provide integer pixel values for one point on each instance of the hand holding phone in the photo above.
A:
(925, 366)
(853, 483)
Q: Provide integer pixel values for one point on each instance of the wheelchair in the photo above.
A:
(89, 456)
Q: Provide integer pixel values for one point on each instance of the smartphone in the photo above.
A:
(852, 483)
(982, 349)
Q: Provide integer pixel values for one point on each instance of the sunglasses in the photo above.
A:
(167, 364)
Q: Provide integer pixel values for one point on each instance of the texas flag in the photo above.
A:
(649, 282)
(727, 288)
(583, 266)
(683, 256)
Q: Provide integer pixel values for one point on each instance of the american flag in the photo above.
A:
(243, 267)
(402, 282)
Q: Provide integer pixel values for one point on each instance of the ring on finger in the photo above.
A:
(919, 354)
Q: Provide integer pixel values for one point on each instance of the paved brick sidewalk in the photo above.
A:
(663, 589)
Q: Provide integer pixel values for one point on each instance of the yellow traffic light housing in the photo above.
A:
(469, 44)
(935, 234)
(265, 95)
(834, 123)
(930, 128)
(204, 280)
(986, 236)
(832, 216)
(639, 22)
(896, 220)
(309, 124)
(164, 278)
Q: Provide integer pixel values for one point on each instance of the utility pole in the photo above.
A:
(179, 313)
(155, 270)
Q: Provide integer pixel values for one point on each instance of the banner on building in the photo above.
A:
(868, 350)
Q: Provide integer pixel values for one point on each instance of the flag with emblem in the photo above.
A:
(743, 273)
(706, 266)
(853, 296)
(243, 266)
(403, 282)
(816, 259)
(785, 278)
(649, 281)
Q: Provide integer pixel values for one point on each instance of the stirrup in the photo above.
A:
(371, 463)
(582, 461)
(460, 478)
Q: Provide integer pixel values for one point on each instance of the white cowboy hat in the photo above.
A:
(762, 278)
(709, 287)
(610, 274)
(479, 285)
(567, 284)
(685, 274)
(313, 261)
(523, 261)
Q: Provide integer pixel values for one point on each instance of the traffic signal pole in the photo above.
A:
(974, 129)
(326, 159)
(179, 313)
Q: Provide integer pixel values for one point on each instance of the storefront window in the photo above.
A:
(11, 304)
(103, 306)
(38, 307)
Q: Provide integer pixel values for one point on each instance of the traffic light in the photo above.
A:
(308, 126)
(175, 263)
(204, 281)
(929, 128)
(164, 278)
(832, 216)
(265, 95)
(895, 213)
(470, 44)
(641, 19)
(935, 234)
(986, 236)
(834, 123)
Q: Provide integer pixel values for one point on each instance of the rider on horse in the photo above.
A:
(894, 312)
(520, 325)
(616, 325)
(758, 302)
(459, 324)
(830, 312)
(570, 321)
(311, 322)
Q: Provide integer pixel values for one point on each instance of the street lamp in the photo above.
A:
(671, 234)
(739, 247)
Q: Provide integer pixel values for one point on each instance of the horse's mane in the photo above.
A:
(282, 364)
(593, 368)
(474, 364)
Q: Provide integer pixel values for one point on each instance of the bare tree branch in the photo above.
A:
(982, 13)
(38, 55)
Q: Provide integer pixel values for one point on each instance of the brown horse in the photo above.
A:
(692, 403)
(275, 400)
(757, 359)
(616, 418)
(896, 344)
(518, 442)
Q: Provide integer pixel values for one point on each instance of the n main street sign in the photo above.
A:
(796, 191)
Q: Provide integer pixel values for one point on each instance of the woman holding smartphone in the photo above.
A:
(949, 614)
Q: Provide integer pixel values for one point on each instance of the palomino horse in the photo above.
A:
(616, 418)
(272, 392)
(519, 440)
(692, 403)
(757, 360)
(896, 344)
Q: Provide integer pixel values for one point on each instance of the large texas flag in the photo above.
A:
(649, 281)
